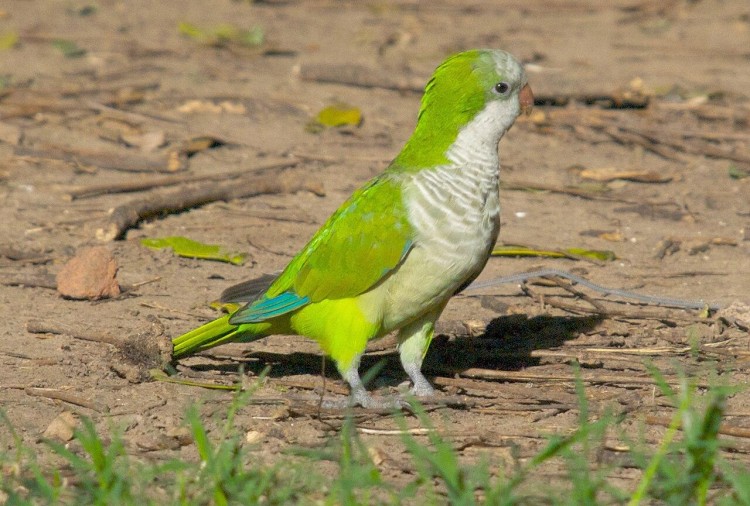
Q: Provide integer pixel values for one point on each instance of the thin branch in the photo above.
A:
(79, 192)
(128, 215)
(46, 327)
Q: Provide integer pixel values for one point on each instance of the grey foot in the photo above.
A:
(367, 401)
(422, 389)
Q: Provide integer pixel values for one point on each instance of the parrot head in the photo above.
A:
(477, 93)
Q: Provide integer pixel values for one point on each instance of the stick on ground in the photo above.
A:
(79, 192)
(128, 215)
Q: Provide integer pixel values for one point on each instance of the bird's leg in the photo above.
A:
(413, 341)
(359, 394)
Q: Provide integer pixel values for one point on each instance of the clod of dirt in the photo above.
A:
(62, 427)
(182, 435)
(156, 442)
(90, 275)
(737, 313)
(150, 349)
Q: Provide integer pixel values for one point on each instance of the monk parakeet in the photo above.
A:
(391, 256)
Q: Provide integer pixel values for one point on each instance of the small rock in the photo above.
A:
(253, 436)
(62, 427)
(90, 275)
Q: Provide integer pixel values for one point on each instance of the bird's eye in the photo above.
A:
(502, 88)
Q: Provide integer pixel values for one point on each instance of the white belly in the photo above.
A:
(454, 234)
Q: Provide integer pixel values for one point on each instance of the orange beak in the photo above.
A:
(526, 99)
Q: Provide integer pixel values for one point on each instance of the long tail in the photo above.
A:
(212, 334)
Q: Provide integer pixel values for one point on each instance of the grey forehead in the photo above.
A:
(507, 65)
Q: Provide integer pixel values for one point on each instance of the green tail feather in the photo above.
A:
(211, 334)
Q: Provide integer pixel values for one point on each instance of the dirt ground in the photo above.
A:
(125, 109)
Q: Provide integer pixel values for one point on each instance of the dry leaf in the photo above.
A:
(146, 142)
(201, 143)
(604, 174)
(339, 115)
(612, 236)
(176, 160)
(206, 106)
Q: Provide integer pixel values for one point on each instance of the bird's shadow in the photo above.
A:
(506, 344)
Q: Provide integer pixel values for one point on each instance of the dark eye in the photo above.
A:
(502, 88)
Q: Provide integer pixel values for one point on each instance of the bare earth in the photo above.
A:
(505, 357)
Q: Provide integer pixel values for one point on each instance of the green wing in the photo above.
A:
(360, 244)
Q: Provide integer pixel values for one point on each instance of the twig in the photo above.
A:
(44, 327)
(576, 192)
(31, 281)
(670, 140)
(117, 160)
(645, 299)
(359, 76)
(127, 115)
(79, 192)
(727, 430)
(605, 100)
(60, 395)
(127, 288)
(577, 293)
(618, 134)
(599, 379)
(418, 431)
(23, 256)
(668, 143)
(632, 314)
(128, 215)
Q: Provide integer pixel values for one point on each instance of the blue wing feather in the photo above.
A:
(264, 309)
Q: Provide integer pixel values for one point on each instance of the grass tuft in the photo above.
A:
(687, 467)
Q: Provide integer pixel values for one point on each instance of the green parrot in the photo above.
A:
(400, 247)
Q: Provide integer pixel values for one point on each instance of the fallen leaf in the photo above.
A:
(339, 115)
(523, 251)
(612, 236)
(184, 247)
(226, 307)
(68, 48)
(222, 35)
(738, 172)
(8, 40)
